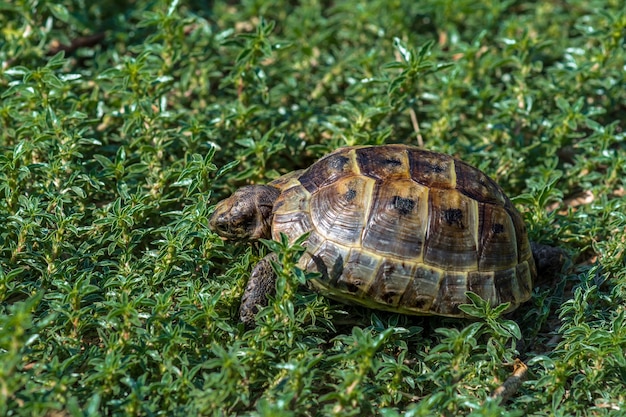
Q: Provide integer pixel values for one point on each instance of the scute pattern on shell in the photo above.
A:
(403, 229)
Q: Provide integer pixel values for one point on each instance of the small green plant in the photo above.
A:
(121, 125)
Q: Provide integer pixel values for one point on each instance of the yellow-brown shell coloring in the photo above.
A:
(403, 229)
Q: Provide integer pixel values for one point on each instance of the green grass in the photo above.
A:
(116, 298)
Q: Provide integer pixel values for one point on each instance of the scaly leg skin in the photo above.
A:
(548, 259)
(262, 283)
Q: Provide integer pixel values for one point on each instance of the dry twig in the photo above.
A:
(512, 383)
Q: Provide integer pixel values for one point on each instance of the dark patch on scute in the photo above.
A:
(451, 294)
(477, 185)
(338, 162)
(394, 226)
(428, 168)
(387, 270)
(421, 290)
(420, 303)
(404, 205)
(382, 162)
(505, 282)
(497, 228)
(454, 216)
(431, 169)
(425, 160)
(393, 162)
(325, 171)
(350, 195)
(454, 309)
(437, 169)
(352, 287)
(388, 297)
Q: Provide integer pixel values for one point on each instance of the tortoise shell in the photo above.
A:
(403, 229)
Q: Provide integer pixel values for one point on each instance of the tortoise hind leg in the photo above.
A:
(262, 283)
(548, 259)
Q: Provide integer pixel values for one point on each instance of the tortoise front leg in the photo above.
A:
(262, 283)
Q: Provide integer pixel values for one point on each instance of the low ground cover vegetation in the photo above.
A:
(123, 123)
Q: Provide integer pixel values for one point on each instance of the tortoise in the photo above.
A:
(392, 227)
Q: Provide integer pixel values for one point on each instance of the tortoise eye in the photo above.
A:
(216, 221)
(246, 225)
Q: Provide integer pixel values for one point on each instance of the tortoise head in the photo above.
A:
(245, 215)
